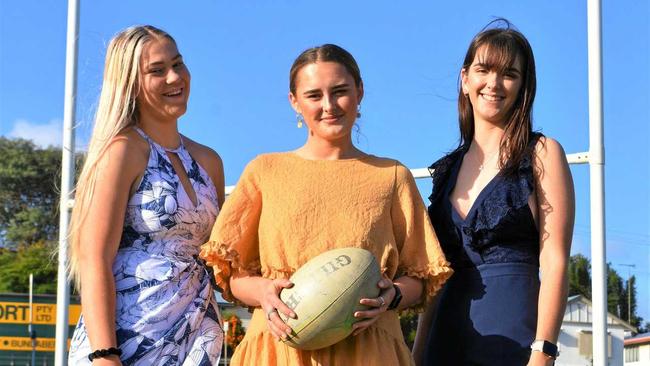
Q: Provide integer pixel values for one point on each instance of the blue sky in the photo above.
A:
(239, 54)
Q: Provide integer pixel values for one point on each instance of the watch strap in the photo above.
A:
(397, 299)
(545, 347)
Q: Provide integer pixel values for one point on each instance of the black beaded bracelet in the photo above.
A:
(100, 353)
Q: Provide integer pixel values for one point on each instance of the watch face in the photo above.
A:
(550, 349)
(545, 347)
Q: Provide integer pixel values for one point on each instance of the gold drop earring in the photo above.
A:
(299, 119)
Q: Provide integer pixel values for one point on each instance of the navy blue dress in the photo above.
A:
(487, 313)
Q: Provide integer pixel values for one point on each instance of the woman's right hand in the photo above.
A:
(271, 305)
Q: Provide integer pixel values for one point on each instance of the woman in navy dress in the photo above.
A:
(503, 208)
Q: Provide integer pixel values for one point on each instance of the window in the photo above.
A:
(632, 354)
(585, 344)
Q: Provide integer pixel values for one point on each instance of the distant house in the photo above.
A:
(637, 350)
(575, 340)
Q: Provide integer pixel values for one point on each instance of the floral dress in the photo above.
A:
(165, 312)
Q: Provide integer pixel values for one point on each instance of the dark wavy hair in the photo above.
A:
(504, 44)
(325, 53)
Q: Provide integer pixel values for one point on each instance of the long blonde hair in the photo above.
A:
(117, 110)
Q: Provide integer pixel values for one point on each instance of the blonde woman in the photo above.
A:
(146, 199)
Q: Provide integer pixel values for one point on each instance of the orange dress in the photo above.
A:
(286, 209)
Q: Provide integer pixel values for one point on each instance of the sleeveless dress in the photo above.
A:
(166, 311)
(487, 313)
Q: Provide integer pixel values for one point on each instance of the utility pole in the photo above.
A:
(629, 290)
(32, 332)
(67, 182)
(225, 342)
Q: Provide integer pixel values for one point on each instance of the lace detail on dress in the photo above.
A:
(501, 219)
(506, 204)
(440, 172)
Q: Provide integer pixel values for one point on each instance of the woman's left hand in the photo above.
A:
(377, 305)
(540, 359)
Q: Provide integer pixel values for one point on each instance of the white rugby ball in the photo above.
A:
(326, 294)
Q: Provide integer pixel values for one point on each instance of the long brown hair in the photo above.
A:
(503, 44)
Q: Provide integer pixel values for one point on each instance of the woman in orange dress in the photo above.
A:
(289, 207)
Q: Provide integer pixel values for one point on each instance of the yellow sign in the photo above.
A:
(25, 344)
(18, 313)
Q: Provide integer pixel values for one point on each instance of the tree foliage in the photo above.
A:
(17, 264)
(579, 276)
(29, 215)
(615, 293)
(235, 332)
(629, 294)
(408, 321)
(29, 177)
(618, 289)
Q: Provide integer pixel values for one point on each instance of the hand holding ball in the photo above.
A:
(326, 294)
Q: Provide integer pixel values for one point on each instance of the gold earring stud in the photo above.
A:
(299, 118)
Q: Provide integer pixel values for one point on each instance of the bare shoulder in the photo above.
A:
(127, 151)
(207, 158)
(548, 154)
(203, 153)
(551, 168)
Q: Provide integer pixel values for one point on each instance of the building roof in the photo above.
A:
(582, 313)
(637, 339)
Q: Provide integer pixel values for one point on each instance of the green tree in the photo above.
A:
(29, 201)
(28, 195)
(17, 264)
(579, 276)
(408, 321)
(617, 289)
(645, 328)
(629, 294)
(615, 292)
(235, 332)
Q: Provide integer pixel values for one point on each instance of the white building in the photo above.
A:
(575, 342)
(637, 350)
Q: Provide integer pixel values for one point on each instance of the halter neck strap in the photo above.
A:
(151, 141)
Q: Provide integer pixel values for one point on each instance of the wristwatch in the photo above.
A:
(397, 299)
(546, 347)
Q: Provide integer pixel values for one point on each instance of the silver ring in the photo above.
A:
(268, 313)
(383, 302)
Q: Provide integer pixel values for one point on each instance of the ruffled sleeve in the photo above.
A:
(420, 255)
(233, 248)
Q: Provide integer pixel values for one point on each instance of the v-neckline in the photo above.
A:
(180, 152)
(481, 196)
(193, 206)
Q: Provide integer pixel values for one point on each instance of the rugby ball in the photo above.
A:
(326, 294)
